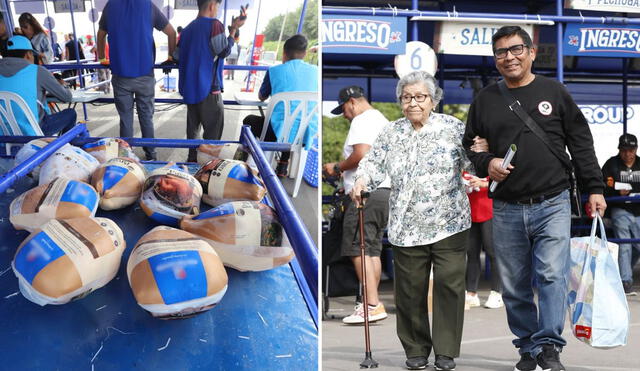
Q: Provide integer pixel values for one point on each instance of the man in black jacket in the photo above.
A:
(531, 208)
(617, 171)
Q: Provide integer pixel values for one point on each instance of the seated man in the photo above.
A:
(19, 75)
(292, 75)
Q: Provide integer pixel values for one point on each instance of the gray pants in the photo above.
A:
(142, 90)
(210, 114)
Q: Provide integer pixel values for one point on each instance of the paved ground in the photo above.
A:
(486, 341)
(170, 122)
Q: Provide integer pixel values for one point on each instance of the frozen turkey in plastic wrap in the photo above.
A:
(174, 274)
(229, 180)
(169, 193)
(61, 199)
(68, 162)
(247, 235)
(107, 148)
(227, 151)
(119, 182)
(29, 149)
(67, 259)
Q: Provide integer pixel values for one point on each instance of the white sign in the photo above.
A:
(419, 57)
(468, 38)
(623, 6)
(605, 122)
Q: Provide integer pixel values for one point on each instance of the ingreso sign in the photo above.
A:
(363, 35)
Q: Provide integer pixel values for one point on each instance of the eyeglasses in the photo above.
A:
(515, 50)
(418, 97)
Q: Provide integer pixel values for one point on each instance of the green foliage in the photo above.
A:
(309, 28)
(458, 111)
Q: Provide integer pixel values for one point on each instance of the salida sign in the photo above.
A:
(468, 38)
(363, 35)
(599, 40)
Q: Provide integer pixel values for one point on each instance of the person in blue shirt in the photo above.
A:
(19, 75)
(201, 53)
(293, 74)
(130, 24)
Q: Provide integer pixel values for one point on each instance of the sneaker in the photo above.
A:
(417, 363)
(444, 363)
(494, 301)
(376, 313)
(628, 288)
(549, 359)
(526, 363)
(472, 300)
(281, 169)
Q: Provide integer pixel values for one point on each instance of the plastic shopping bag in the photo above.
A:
(597, 304)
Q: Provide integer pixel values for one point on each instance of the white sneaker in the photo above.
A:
(494, 301)
(376, 313)
(472, 300)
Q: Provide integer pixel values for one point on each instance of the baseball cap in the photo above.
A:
(353, 91)
(19, 43)
(627, 141)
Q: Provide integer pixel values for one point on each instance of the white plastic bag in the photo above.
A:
(597, 304)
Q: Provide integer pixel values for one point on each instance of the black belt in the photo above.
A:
(535, 200)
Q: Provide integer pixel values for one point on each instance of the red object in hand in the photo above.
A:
(587, 209)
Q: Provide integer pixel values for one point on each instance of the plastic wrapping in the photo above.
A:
(68, 162)
(229, 180)
(174, 274)
(68, 259)
(247, 235)
(61, 199)
(119, 182)
(29, 149)
(227, 151)
(108, 148)
(169, 193)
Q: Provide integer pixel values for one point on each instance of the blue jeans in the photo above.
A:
(58, 122)
(532, 242)
(626, 225)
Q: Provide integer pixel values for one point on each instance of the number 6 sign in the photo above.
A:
(419, 57)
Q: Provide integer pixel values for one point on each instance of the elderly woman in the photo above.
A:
(41, 42)
(429, 218)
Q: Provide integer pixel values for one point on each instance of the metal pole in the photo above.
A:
(559, 40)
(73, 25)
(46, 8)
(253, 47)
(625, 102)
(282, 31)
(224, 17)
(8, 19)
(302, 13)
(414, 25)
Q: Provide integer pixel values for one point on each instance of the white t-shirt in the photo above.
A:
(364, 130)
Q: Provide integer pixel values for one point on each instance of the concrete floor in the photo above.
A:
(486, 341)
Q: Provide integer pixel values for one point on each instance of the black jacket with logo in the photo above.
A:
(537, 171)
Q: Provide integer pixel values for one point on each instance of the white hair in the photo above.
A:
(420, 77)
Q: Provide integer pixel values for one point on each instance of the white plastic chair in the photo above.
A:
(306, 113)
(8, 122)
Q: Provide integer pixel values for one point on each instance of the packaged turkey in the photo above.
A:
(174, 274)
(67, 259)
(169, 193)
(247, 235)
(68, 162)
(119, 182)
(229, 180)
(29, 149)
(106, 149)
(61, 199)
(227, 151)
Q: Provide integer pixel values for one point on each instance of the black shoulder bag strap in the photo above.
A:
(514, 105)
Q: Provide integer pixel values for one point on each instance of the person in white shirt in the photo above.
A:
(366, 123)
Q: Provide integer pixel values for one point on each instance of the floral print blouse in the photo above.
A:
(427, 202)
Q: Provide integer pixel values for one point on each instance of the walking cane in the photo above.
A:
(368, 362)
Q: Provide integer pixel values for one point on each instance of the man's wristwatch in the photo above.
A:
(336, 168)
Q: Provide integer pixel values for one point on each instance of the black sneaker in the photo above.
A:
(628, 288)
(417, 363)
(549, 359)
(444, 363)
(526, 363)
(281, 169)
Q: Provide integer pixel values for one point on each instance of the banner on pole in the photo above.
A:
(470, 38)
(602, 40)
(363, 34)
(32, 7)
(63, 6)
(622, 6)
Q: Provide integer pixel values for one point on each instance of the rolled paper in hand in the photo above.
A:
(505, 163)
